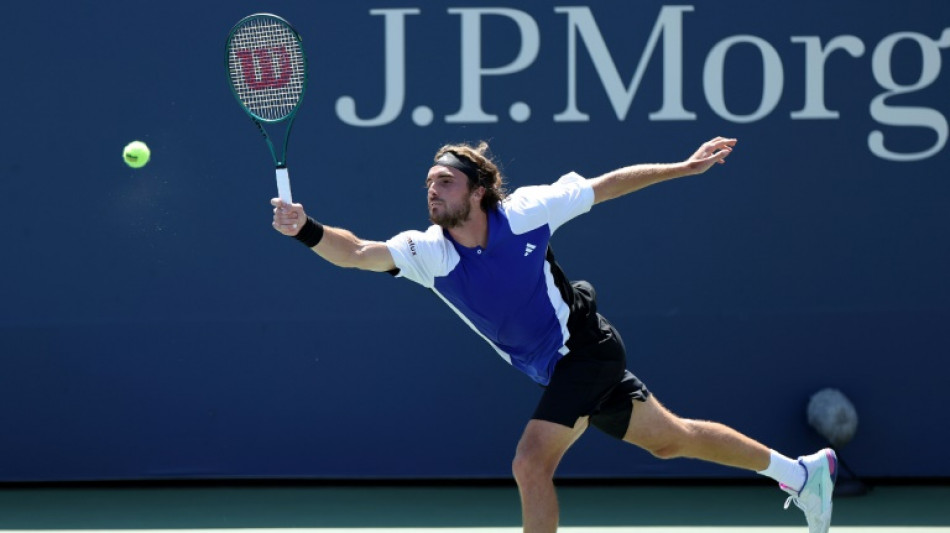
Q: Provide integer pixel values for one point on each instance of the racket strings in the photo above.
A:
(266, 68)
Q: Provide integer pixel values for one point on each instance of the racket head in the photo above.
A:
(266, 66)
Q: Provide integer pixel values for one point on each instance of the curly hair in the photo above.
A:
(488, 174)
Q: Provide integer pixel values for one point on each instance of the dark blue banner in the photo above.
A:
(153, 324)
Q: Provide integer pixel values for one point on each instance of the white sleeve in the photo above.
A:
(421, 257)
(534, 206)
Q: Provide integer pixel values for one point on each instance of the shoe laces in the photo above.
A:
(792, 498)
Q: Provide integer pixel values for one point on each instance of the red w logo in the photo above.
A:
(262, 60)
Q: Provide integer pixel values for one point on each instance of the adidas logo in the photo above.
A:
(528, 249)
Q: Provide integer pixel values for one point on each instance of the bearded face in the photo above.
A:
(448, 216)
(449, 197)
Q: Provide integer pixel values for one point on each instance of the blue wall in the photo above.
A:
(153, 325)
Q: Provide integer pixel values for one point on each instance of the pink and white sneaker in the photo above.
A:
(821, 472)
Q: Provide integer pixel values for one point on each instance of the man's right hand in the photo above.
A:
(288, 218)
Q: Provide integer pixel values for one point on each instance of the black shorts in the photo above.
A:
(593, 381)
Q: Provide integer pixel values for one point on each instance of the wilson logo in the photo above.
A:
(265, 68)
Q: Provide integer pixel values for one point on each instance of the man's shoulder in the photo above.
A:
(433, 233)
(533, 205)
(528, 193)
(422, 256)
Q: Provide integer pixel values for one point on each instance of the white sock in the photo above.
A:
(786, 471)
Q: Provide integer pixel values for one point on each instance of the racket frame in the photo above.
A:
(280, 163)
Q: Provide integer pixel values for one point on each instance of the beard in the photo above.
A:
(451, 218)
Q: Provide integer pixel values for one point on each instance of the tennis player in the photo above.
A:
(487, 256)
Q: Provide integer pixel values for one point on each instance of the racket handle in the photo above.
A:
(283, 185)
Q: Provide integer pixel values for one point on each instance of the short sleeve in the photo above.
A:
(422, 256)
(534, 206)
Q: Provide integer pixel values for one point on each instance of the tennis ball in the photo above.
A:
(136, 154)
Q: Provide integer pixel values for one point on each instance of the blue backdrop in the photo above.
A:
(153, 325)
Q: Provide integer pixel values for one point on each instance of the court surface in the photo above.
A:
(445, 508)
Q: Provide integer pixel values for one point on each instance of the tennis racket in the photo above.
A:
(267, 70)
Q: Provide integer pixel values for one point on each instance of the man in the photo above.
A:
(487, 256)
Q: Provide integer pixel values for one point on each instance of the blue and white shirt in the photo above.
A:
(512, 292)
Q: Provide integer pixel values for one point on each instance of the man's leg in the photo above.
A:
(540, 449)
(665, 435)
(809, 481)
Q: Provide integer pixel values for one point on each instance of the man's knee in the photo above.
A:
(521, 466)
(541, 447)
(669, 449)
(661, 433)
(528, 467)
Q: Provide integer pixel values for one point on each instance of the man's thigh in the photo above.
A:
(546, 442)
(651, 424)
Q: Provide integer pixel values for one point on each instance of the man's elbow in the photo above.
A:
(350, 260)
(342, 260)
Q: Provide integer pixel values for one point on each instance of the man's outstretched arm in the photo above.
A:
(626, 180)
(338, 246)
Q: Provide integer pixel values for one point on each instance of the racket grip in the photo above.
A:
(283, 185)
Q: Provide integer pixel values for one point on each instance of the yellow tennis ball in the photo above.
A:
(136, 154)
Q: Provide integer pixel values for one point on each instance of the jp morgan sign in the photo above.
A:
(892, 108)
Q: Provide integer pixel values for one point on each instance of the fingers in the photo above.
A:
(719, 143)
(722, 153)
(713, 151)
(724, 141)
(288, 218)
(717, 149)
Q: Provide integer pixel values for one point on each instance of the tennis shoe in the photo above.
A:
(814, 499)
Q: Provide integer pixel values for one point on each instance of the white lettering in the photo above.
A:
(395, 73)
(906, 116)
(815, 59)
(472, 69)
(773, 78)
(669, 23)
(891, 109)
